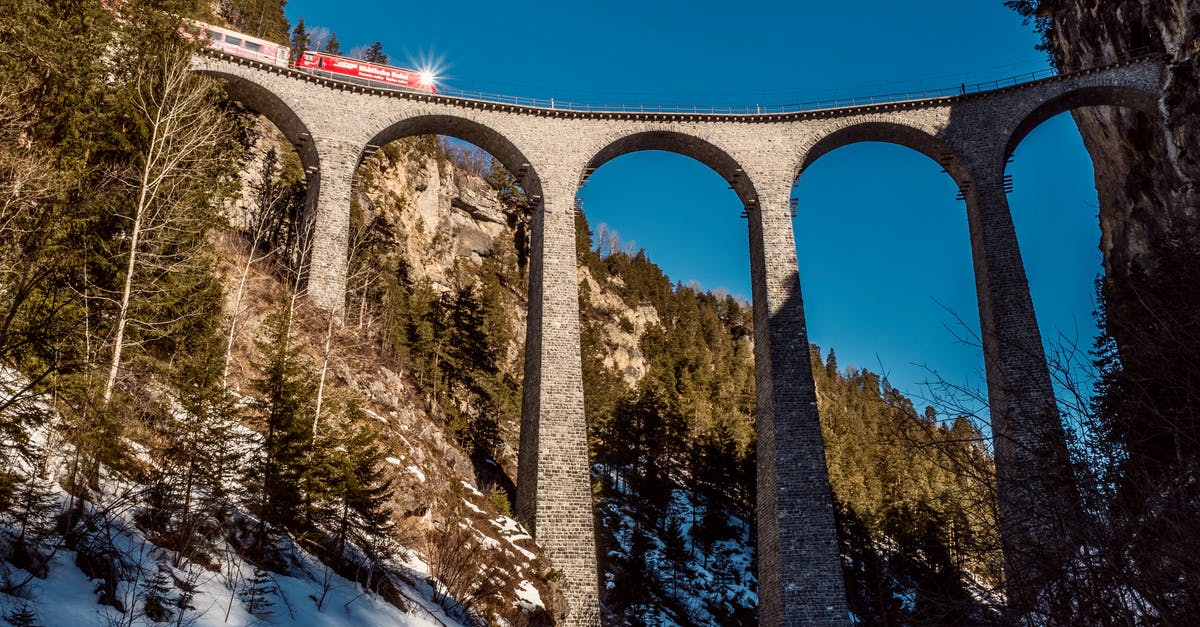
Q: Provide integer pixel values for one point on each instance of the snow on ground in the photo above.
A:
(65, 596)
(528, 596)
(725, 578)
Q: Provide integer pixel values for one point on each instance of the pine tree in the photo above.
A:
(201, 454)
(156, 602)
(374, 54)
(360, 489)
(675, 549)
(300, 40)
(22, 617)
(256, 594)
(55, 88)
(260, 18)
(285, 410)
(33, 508)
(333, 46)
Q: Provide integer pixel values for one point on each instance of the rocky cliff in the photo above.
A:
(1145, 426)
(1147, 168)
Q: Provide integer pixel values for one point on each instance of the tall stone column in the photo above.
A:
(799, 570)
(1037, 497)
(554, 494)
(328, 207)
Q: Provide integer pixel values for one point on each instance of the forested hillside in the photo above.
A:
(184, 439)
(674, 467)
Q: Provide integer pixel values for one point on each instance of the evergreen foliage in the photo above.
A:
(156, 601)
(284, 410)
(333, 46)
(916, 512)
(260, 18)
(22, 617)
(454, 340)
(913, 495)
(256, 594)
(374, 54)
(300, 40)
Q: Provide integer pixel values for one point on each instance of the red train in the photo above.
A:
(319, 63)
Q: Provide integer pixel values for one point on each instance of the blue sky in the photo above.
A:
(882, 243)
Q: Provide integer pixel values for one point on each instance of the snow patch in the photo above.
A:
(528, 596)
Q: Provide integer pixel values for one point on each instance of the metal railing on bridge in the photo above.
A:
(962, 89)
(811, 105)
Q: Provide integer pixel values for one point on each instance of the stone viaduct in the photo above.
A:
(334, 125)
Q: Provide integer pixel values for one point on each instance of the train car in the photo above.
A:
(361, 71)
(241, 45)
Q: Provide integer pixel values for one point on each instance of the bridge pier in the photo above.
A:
(1039, 506)
(326, 245)
(799, 569)
(554, 490)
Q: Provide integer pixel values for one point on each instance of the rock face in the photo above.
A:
(442, 215)
(1146, 169)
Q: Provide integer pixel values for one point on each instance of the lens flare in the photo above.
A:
(430, 68)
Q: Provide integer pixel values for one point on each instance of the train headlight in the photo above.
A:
(426, 77)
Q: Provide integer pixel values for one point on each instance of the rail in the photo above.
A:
(963, 89)
(810, 105)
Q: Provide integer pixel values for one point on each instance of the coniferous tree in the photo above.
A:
(333, 46)
(256, 594)
(156, 602)
(374, 54)
(285, 410)
(360, 490)
(22, 617)
(300, 40)
(675, 549)
(260, 18)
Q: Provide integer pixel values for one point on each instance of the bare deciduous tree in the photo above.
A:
(183, 133)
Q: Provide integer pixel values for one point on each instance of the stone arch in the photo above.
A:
(1091, 96)
(896, 133)
(702, 150)
(265, 102)
(483, 136)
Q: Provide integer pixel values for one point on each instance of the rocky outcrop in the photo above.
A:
(1147, 169)
(621, 325)
(440, 214)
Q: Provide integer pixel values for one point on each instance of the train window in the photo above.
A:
(230, 39)
(253, 47)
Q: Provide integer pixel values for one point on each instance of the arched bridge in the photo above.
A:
(334, 125)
